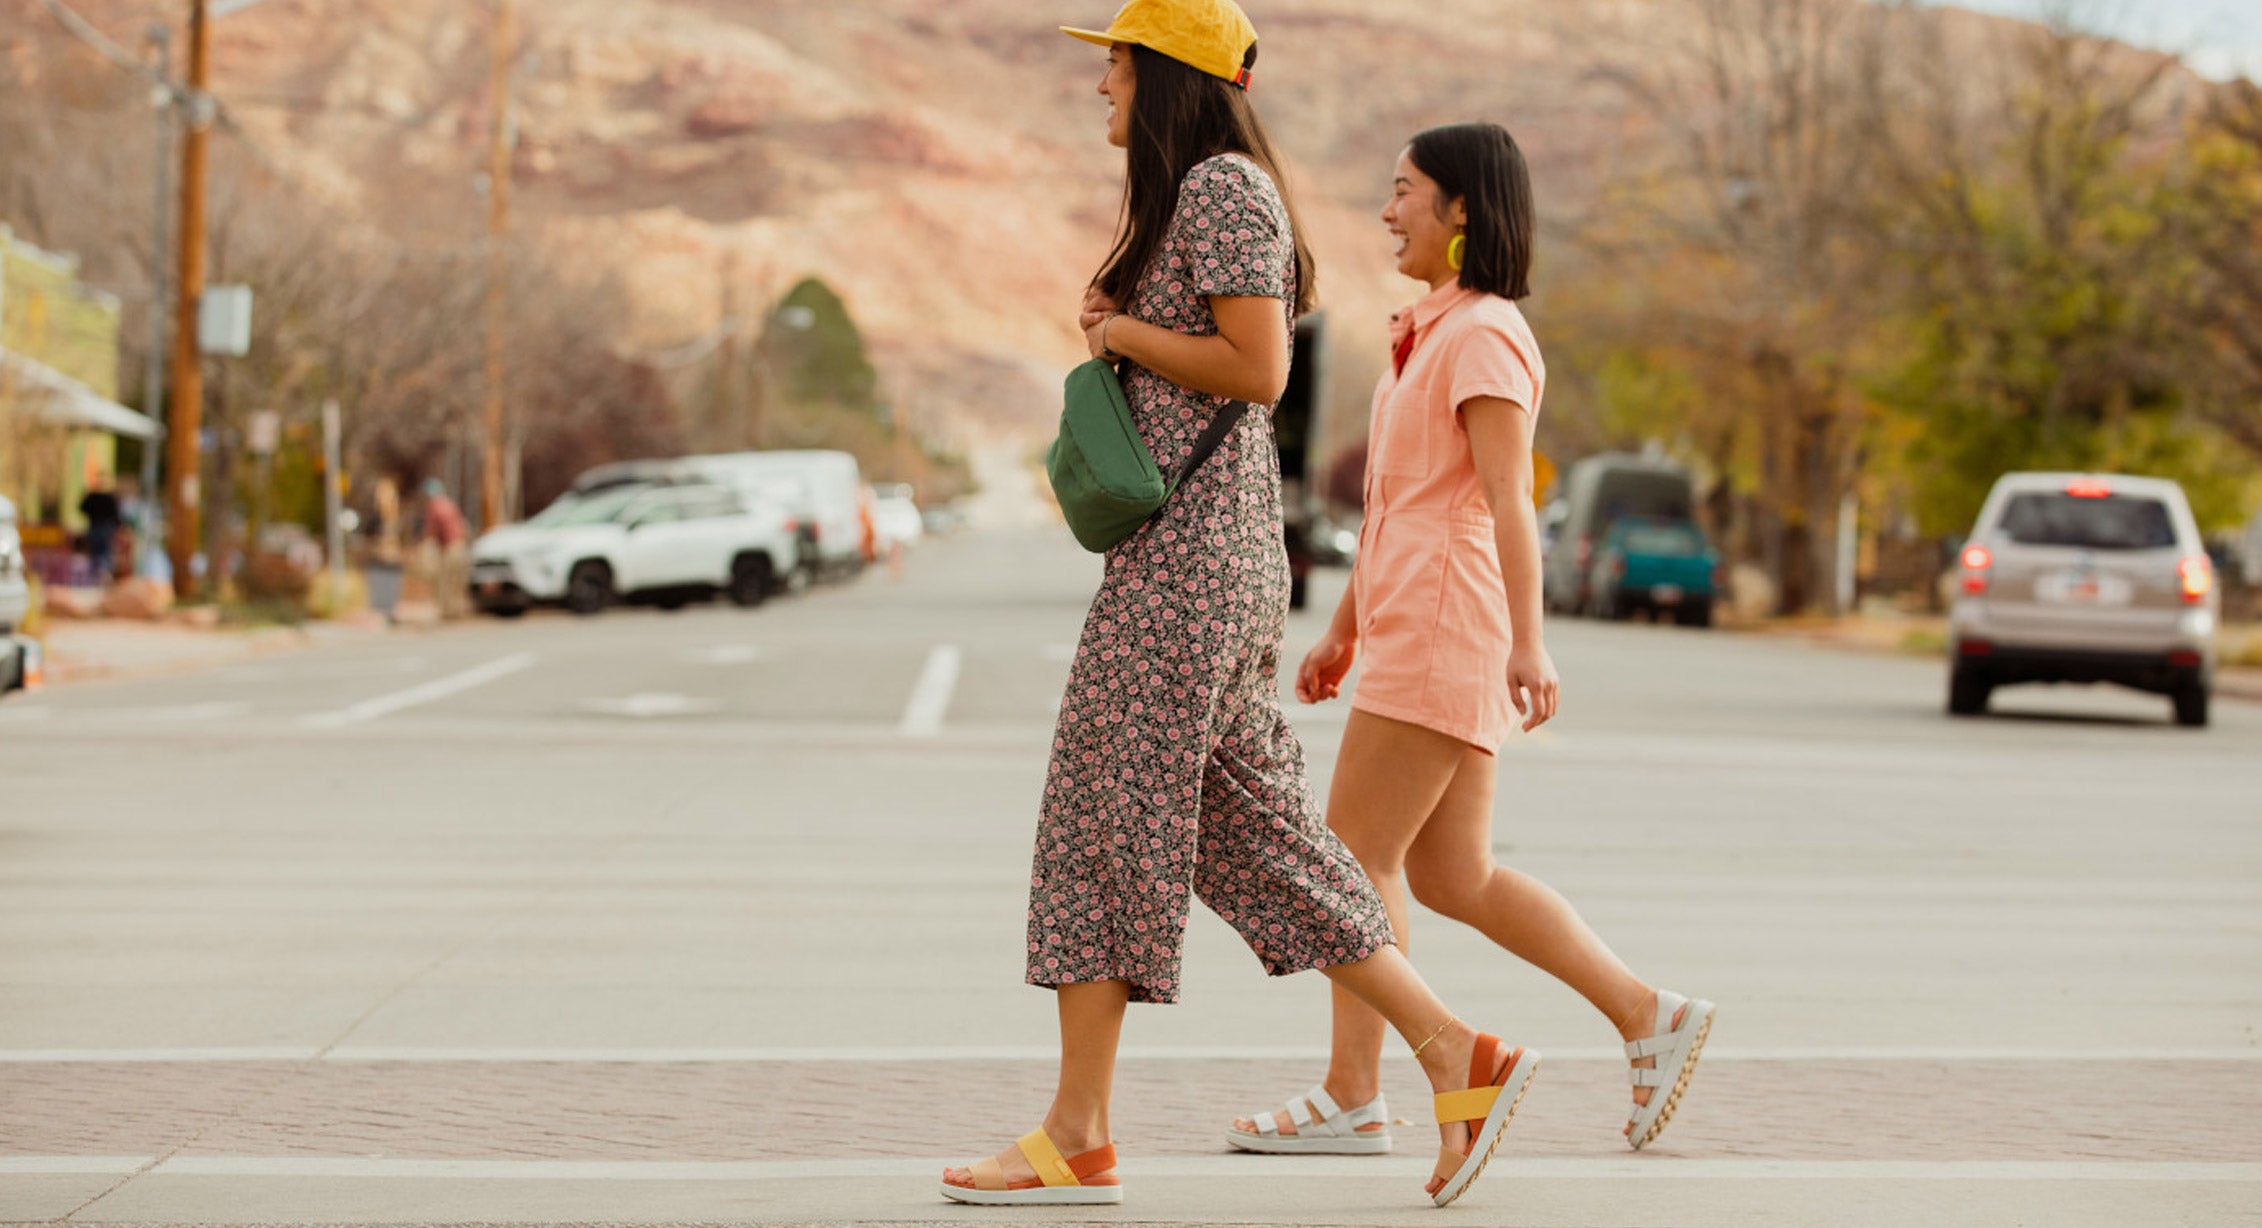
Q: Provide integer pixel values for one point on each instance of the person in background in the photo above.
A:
(446, 536)
(103, 516)
(443, 523)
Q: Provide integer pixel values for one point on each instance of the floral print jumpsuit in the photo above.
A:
(1173, 772)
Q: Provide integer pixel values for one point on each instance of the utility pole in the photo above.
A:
(491, 508)
(153, 366)
(183, 489)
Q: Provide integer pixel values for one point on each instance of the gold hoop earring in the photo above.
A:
(1456, 251)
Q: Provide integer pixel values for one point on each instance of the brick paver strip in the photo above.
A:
(1803, 1110)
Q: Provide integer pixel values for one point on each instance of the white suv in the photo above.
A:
(2077, 577)
(15, 602)
(664, 543)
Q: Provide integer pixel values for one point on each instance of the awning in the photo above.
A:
(63, 401)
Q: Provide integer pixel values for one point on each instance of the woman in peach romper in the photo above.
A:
(1444, 606)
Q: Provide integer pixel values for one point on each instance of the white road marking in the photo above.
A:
(1392, 1168)
(724, 654)
(25, 716)
(1047, 1053)
(649, 704)
(215, 711)
(923, 716)
(437, 689)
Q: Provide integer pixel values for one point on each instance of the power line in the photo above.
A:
(195, 103)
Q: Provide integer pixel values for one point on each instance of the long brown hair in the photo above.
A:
(1181, 116)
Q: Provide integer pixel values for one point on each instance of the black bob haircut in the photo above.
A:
(1480, 165)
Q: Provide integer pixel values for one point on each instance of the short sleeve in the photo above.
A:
(1489, 362)
(1237, 238)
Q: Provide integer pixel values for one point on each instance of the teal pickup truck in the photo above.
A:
(1658, 567)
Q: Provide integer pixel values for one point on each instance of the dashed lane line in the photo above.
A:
(429, 692)
(930, 698)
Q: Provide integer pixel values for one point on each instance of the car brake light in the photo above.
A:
(2089, 488)
(2185, 658)
(2196, 577)
(1977, 560)
(1974, 648)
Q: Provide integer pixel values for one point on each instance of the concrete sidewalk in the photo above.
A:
(80, 650)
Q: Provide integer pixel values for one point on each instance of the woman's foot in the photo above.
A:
(1083, 1172)
(1663, 1041)
(1323, 1104)
(1018, 1169)
(1479, 1080)
(1637, 1026)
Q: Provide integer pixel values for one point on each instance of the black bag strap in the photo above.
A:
(1220, 426)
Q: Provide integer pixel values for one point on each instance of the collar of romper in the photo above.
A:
(1407, 324)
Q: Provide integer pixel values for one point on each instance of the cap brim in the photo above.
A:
(1098, 38)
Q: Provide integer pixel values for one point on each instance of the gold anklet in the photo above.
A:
(1449, 1022)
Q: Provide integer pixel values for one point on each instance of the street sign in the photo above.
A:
(223, 321)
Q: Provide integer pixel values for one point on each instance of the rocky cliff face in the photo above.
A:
(940, 162)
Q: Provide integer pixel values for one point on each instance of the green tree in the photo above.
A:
(816, 352)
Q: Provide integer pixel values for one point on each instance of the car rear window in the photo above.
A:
(2114, 522)
(1666, 539)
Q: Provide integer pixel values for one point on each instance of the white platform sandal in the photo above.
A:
(1676, 1050)
(1333, 1132)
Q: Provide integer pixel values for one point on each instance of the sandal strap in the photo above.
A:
(1449, 1162)
(1651, 1046)
(1644, 1076)
(1300, 1113)
(1328, 1109)
(1052, 1168)
(1092, 1163)
(988, 1174)
(1266, 1121)
(1468, 1104)
(1369, 1113)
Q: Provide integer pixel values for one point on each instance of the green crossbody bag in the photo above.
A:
(1106, 481)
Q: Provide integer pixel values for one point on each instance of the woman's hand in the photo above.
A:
(1095, 332)
(1092, 319)
(1532, 685)
(1321, 675)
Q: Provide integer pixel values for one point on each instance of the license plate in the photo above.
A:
(2083, 588)
(1665, 594)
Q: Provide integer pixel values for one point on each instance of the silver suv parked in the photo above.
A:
(2080, 577)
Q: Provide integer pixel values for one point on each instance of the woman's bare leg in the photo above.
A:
(1091, 1029)
(1388, 776)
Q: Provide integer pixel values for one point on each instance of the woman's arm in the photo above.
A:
(1247, 359)
(1502, 450)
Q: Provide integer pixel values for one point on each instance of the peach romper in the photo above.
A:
(1433, 610)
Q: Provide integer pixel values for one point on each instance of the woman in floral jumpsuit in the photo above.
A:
(1173, 772)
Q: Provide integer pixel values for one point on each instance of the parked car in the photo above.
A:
(666, 543)
(896, 523)
(1657, 567)
(15, 603)
(1598, 492)
(824, 491)
(2076, 577)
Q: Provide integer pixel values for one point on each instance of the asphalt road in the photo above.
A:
(716, 916)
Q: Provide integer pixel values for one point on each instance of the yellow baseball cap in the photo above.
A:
(1211, 35)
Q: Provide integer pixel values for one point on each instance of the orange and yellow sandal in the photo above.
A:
(1498, 1078)
(1087, 1180)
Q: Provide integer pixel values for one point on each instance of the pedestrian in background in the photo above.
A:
(1173, 773)
(445, 538)
(103, 517)
(1444, 608)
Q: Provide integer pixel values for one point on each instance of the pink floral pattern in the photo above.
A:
(1174, 774)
